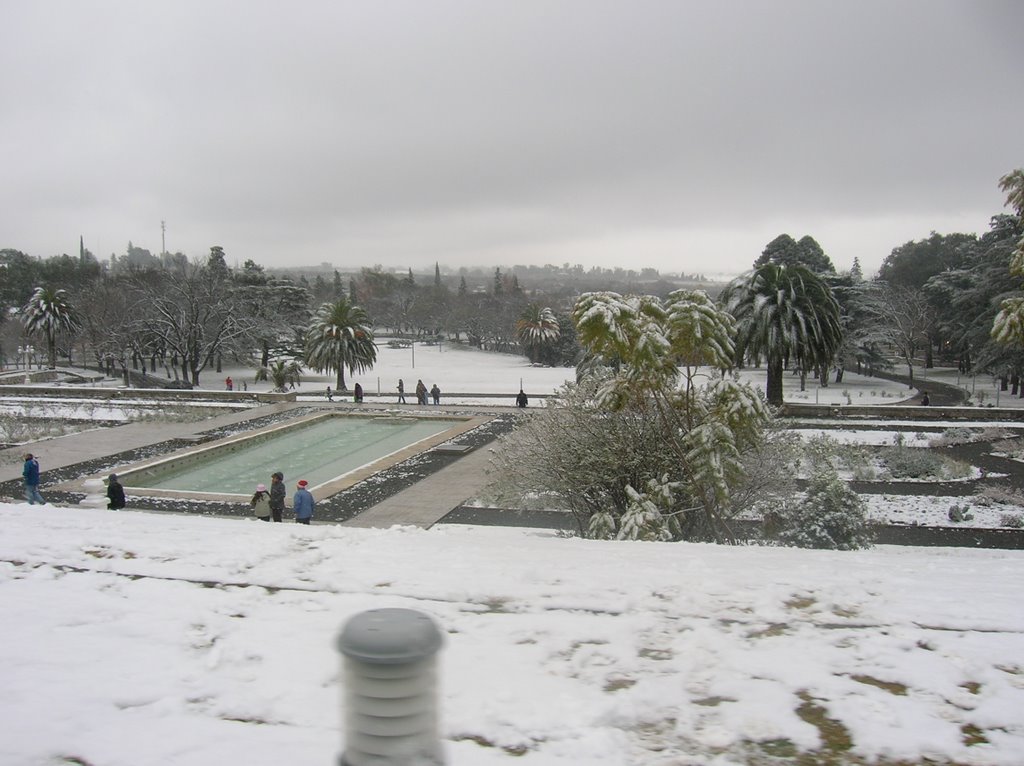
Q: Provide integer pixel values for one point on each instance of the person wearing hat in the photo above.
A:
(30, 473)
(115, 493)
(302, 503)
(261, 503)
(277, 494)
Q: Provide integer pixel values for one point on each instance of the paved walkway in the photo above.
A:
(427, 501)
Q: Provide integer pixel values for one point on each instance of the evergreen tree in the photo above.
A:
(49, 312)
(784, 313)
(1009, 322)
(216, 264)
(339, 338)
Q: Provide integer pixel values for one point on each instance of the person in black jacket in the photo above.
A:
(115, 493)
(277, 494)
(522, 399)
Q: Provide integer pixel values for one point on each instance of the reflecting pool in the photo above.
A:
(319, 450)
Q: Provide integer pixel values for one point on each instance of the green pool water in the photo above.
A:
(318, 452)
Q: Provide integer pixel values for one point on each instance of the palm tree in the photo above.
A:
(280, 372)
(49, 312)
(340, 337)
(1009, 322)
(783, 314)
(536, 329)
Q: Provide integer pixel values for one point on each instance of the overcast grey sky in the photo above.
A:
(678, 135)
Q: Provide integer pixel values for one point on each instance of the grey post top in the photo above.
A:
(389, 636)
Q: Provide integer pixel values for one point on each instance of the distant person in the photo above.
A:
(358, 391)
(30, 473)
(245, 386)
(421, 392)
(115, 494)
(522, 399)
(330, 396)
(401, 391)
(261, 503)
(277, 495)
(925, 401)
(302, 503)
(435, 392)
(229, 384)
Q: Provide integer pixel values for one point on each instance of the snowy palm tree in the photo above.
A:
(1008, 326)
(340, 337)
(49, 312)
(536, 329)
(784, 313)
(280, 373)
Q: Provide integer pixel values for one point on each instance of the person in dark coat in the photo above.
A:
(522, 400)
(358, 393)
(30, 474)
(421, 392)
(435, 392)
(925, 401)
(277, 495)
(115, 494)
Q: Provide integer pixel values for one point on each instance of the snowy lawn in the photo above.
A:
(138, 639)
(933, 511)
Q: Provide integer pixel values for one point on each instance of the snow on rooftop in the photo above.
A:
(145, 639)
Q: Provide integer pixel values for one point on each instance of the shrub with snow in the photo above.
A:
(958, 513)
(831, 515)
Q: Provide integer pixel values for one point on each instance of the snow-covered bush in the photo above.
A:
(831, 515)
(820, 452)
(919, 463)
(1012, 520)
(643, 446)
(958, 513)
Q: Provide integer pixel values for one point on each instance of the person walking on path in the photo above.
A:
(421, 392)
(228, 383)
(925, 401)
(330, 396)
(401, 391)
(522, 399)
(302, 502)
(261, 503)
(115, 494)
(358, 394)
(435, 392)
(30, 473)
(277, 493)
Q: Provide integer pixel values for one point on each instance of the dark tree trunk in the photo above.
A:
(773, 385)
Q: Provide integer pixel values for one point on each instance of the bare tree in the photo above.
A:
(194, 315)
(903, 316)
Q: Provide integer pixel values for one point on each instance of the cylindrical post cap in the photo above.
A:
(389, 636)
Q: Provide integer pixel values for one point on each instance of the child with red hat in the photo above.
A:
(302, 502)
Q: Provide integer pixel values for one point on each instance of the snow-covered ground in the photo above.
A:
(933, 511)
(135, 639)
(459, 368)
